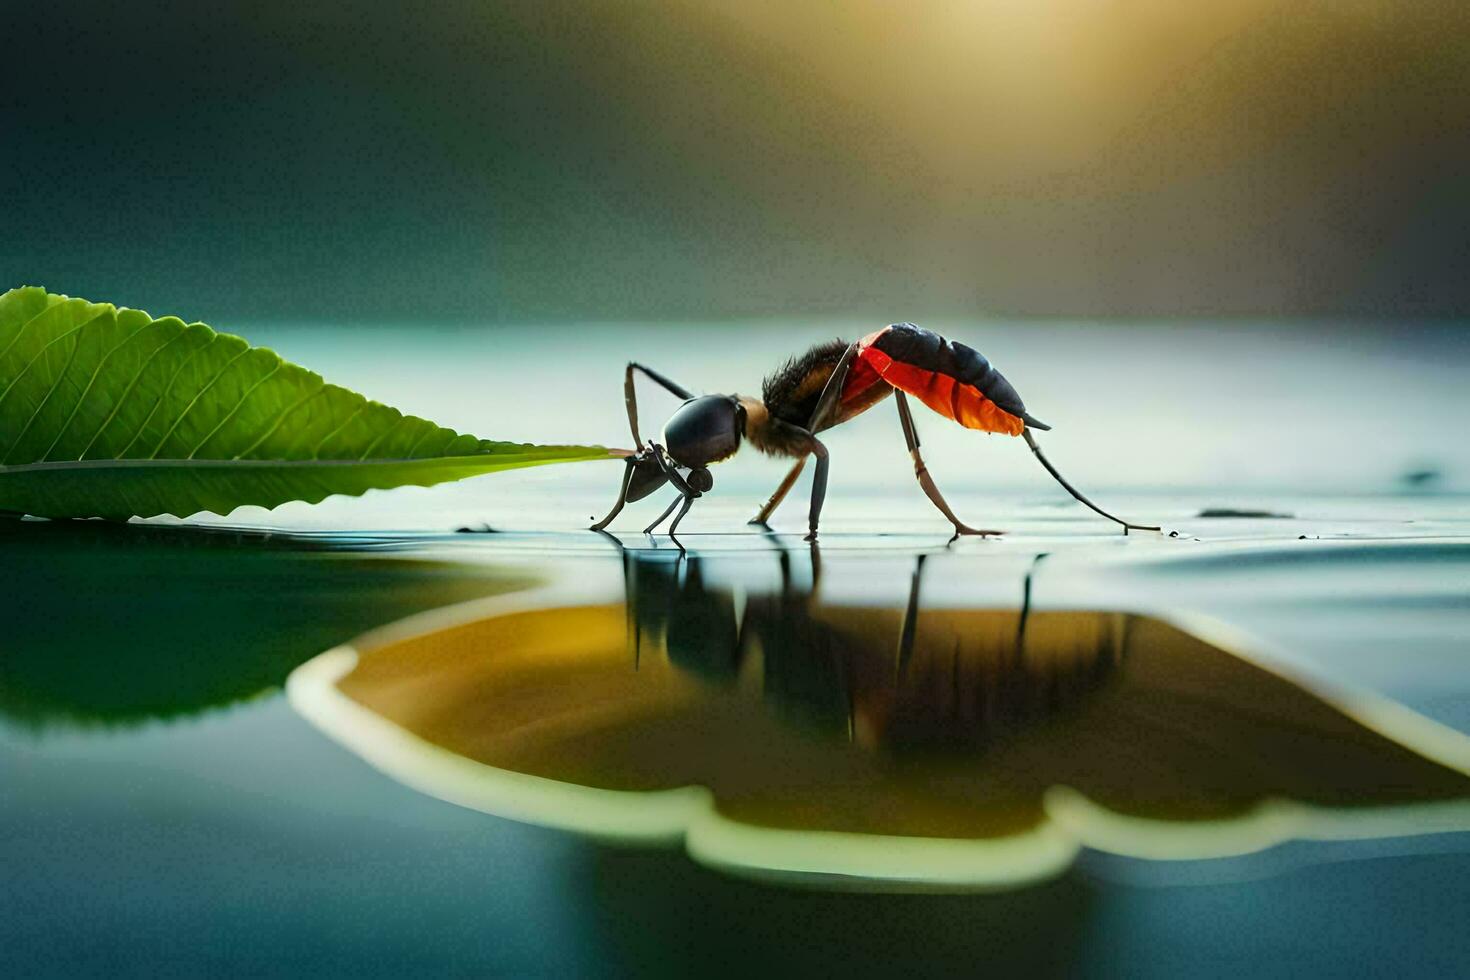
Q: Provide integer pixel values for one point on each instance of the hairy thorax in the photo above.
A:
(769, 434)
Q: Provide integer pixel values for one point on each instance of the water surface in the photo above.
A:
(165, 811)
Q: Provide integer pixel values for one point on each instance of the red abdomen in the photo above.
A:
(954, 380)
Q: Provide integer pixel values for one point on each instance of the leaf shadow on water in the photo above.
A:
(120, 623)
(779, 734)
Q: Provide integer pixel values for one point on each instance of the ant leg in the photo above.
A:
(630, 400)
(819, 488)
(630, 394)
(1041, 458)
(688, 502)
(829, 394)
(667, 511)
(780, 494)
(911, 436)
(622, 498)
(832, 390)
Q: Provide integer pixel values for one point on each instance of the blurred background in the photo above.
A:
(1237, 229)
(672, 159)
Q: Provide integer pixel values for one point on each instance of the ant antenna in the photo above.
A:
(1041, 458)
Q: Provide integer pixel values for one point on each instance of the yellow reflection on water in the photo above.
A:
(957, 746)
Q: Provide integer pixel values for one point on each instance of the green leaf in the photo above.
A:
(107, 412)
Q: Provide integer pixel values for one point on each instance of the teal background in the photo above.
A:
(593, 160)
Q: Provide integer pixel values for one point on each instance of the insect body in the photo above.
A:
(828, 385)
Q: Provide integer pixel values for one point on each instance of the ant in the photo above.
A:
(830, 384)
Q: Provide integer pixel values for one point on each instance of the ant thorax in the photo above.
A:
(769, 434)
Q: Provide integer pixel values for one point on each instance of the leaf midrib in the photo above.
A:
(278, 463)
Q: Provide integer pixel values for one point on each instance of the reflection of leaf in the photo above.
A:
(106, 412)
(116, 623)
(1118, 732)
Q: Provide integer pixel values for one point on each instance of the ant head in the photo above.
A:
(704, 430)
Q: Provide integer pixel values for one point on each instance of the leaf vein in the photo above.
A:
(166, 388)
(316, 452)
(281, 418)
(127, 392)
(408, 453)
(42, 353)
(238, 405)
(20, 331)
(56, 383)
(195, 400)
(381, 436)
(96, 372)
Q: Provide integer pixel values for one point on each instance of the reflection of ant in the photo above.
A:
(965, 678)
